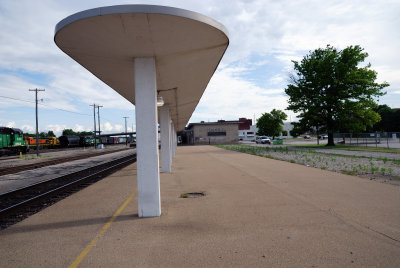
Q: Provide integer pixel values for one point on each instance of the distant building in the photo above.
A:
(246, 130)
(287, 127)
(221, 132)
(245, 123)
(249, 132)
(224, 132)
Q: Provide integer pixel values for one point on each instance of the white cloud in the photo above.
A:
(11, 124)
(229, 97)
(107, 126)
(56, 128)
(276, 79)
(118, 127)
(132, 128)
(80, 128)
(27, 128)
(263, 30)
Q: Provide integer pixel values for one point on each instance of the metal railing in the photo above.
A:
(373, 139)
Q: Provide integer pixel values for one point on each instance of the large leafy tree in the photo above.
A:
(50, 133)
(68, 132)
(270, 124)
(330, 91)
(390, 119)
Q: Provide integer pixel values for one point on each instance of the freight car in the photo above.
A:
(104, 140)
(12, 141)
(87, 141)
(69, 141)
(112, 140)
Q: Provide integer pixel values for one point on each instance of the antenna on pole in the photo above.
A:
(37, 121)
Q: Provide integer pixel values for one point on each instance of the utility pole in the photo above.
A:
(37, 121)
(94, 120)
(126, 135)
(98, 117)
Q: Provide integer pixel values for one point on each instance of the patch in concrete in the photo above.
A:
(192, 195)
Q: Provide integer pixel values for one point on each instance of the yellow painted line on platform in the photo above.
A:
(99, 235)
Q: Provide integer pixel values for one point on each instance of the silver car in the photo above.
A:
(263, 140)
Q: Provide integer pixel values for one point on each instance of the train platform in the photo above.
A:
(256, 212)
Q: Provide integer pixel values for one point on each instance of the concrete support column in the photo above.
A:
(173, 140)
(148, 175)
(165, 131)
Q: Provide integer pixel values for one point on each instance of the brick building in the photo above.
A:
(221, 132)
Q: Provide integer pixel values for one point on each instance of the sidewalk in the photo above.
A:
(257, 212)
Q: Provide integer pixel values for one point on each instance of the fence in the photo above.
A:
(376, 139)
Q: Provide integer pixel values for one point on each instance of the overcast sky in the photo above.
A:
(265, 36)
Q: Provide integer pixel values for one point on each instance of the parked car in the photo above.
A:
(323, 136)
(307, 137)
(263, 140)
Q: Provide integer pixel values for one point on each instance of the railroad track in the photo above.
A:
(20, 203)
(15, 169)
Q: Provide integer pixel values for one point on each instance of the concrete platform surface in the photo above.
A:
(257, 212)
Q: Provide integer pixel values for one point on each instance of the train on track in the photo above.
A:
(50, 142)
(86, 141)
(13, 141)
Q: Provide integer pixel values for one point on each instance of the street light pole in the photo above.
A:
(98, 117)
(94, 120)
(126, 135)
(37, 121)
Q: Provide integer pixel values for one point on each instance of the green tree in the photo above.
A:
(68, 132)
(270, 124)
(390, 119)
(331, 91)
(298, 129)
(50, 133)
(85, 133)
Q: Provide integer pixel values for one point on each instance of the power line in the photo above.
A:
(47, 105)
(16, 99)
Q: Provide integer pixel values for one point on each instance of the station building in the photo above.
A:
(247, 131)
(220, 132)
(224, 132)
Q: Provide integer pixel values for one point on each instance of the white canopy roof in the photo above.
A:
(187, 47)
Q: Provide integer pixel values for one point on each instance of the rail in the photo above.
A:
(15, 169)
(20, 200)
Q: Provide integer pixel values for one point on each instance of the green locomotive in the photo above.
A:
(12, 141)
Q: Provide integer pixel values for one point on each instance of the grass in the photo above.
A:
(349, 172)
(350, 148)
(355, 165)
